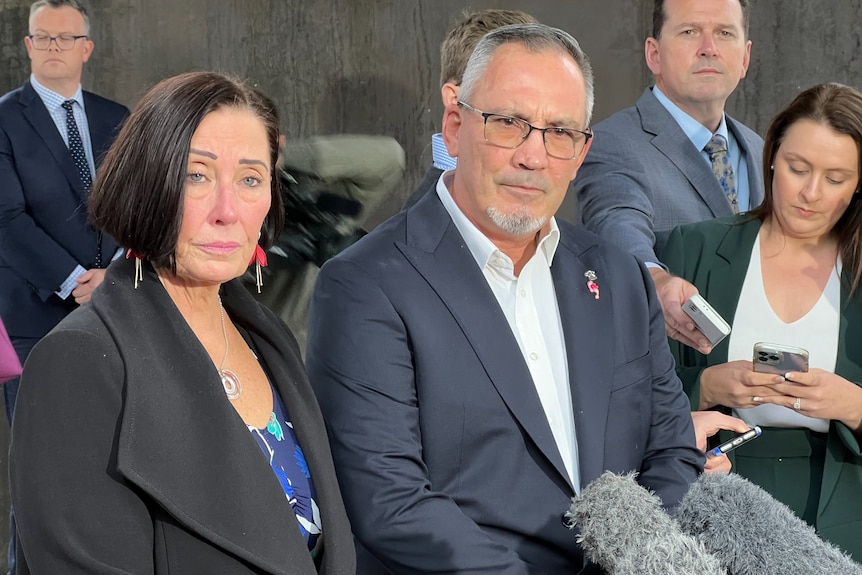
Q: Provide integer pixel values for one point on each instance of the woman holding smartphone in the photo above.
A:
(789, 272)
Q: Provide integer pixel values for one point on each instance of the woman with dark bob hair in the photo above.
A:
(789, 273)
(168, 426)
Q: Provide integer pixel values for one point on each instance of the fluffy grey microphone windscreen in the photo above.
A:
(625, 530)
(754, 534)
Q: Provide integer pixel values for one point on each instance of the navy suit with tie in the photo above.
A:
(445, 457)
(44, 232)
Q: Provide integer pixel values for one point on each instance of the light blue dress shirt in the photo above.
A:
(440, 155)
(54, 103)
(700, 136)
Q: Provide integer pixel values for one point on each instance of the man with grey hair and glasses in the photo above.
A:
(478, 362)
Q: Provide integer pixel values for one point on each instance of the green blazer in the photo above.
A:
(714, 255)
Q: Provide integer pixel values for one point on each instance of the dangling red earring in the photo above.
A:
(139, 272)
(259, 260)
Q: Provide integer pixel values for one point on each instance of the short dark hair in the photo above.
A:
(659, 17)
(840, 108)
(465, 34)
(138, 194)
(63, 4)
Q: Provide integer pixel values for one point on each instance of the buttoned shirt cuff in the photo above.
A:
(69, 284)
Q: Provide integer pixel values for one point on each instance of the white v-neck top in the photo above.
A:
(816, 331)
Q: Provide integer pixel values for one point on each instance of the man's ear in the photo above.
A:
(580, 159)
(652, 56)
(88, 49)
(746, 59)
(451, 125)
(449, 93)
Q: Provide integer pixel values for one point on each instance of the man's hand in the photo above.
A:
(672, 293)
(707, 424)
(87, 282)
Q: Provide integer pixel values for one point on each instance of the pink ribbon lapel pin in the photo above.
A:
(591, 283)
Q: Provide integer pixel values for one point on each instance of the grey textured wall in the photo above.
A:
(372, 66)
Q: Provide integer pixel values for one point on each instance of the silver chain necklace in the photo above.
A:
(230, 381)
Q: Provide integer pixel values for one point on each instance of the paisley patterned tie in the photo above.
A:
(717, 150)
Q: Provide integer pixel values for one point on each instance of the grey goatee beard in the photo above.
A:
(518, 223)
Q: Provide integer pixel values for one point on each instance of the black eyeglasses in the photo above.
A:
(63, 41)
(509, 132)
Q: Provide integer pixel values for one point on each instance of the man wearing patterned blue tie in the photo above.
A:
(675, 157)
(52, 136)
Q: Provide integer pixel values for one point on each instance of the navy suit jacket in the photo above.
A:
(43, 210)
(428, 184)
(643, 177)
(444, 455)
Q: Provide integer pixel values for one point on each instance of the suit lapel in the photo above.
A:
(102, 131)
(37, 115)
(670, 140)
(290, 380)
(849, 365)
(589, 347)
(177, 431)
(733, 256)
(437, 251)
(753, 161)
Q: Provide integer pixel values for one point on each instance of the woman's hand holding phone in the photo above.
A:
(735, 384)
(821, 394)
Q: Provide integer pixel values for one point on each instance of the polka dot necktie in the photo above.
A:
(717, 150)
(76, 145)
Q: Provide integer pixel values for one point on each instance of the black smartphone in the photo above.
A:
(779, 359)
(734, 442)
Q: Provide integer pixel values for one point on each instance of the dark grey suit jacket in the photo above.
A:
(126, 456)
(642, 177)
(445, 457)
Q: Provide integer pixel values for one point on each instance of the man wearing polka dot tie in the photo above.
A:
(52, 136)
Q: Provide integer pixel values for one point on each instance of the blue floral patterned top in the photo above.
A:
(279, 444)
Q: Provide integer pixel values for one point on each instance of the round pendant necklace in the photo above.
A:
(229, 380)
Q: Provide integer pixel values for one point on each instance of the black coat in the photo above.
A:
(126, 456)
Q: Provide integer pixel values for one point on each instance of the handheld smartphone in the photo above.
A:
(707, 320)
(734, 442)
(779, 359)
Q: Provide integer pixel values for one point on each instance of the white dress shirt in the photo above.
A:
(529, 303)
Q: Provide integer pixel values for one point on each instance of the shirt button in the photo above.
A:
(523, 293)
(534, 356)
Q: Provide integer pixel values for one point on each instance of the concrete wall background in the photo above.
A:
(337, 66)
